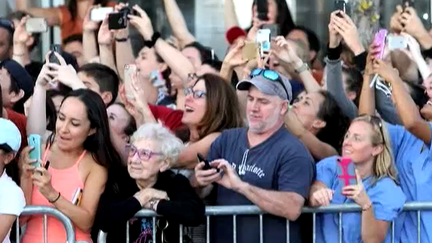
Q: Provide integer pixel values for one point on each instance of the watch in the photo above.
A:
(152, 42)
(302, 68)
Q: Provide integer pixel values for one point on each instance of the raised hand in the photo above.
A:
(334, 37)
(105, 36)
(322, 197)
(357, 193)
(142, 23)
(348, 30)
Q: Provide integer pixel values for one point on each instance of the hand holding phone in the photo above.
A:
(206, 163)
(263, 40)
(52, 57)
(340, 5)
(380, 41)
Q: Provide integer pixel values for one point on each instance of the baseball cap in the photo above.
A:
(22, 77)
(234, 33)
(9, 135)
(273, 84)
(8, 25)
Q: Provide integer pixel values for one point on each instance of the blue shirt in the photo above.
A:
(414, 164)
(387, 202)
(280, 163)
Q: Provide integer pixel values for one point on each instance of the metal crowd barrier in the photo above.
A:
(45, 211)
(254, 210)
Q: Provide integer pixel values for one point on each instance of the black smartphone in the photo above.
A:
(117, 21)
(340, 5)
(206, 162)
(52, 57)
(262, 8)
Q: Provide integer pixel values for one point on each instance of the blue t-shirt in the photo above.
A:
(281, 163)
(387, 202)
(414, 164)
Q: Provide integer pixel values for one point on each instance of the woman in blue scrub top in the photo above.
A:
(375, 190)
(411, 146)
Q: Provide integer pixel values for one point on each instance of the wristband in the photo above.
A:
(152, 42)
(302, 68)
(58, 197)
(122, 39)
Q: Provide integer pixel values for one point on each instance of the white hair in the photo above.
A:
(169, 145)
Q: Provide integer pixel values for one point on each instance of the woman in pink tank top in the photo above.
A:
(79, 152)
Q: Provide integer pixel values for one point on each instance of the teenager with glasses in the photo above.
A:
(368, 179)
(151, 185)
(411, 145)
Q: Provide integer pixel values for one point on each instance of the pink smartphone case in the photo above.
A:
(346, 172)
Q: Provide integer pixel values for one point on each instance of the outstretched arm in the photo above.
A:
(178, 23)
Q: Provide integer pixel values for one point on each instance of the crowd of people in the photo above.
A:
(175, 128)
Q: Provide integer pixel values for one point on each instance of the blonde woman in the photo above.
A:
(367, 145)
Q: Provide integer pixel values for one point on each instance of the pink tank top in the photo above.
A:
(66, 182)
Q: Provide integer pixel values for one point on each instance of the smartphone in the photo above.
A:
(340, 5)
(130, 69)
(249, 50)
(36, 25)
(396, 42)
(99, 14)
(380, 40)
(76, 199)
(34, 140)
(274, 29)
(346, 172)
(117, 21)
(262, 8)
(206, 162)
(52, 57)
(263, 40)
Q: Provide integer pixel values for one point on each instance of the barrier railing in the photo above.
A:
(340, 209)
(45, 211)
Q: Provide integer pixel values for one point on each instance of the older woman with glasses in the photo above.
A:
(365, 175)
(150, 185)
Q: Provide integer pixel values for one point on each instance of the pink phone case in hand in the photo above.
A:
(380, 40)
(346, 172)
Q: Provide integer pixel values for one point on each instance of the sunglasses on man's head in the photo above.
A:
(270, 75)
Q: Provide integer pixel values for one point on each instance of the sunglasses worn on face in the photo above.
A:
(143, 154)
(270, 75)
(195, 94)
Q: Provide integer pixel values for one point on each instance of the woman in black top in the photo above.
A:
(148, 183)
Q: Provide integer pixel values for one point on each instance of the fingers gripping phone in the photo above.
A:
(380, 40)
(34, 141)
(36, 25)
(206, 162)
(52, 57)
(119, 20)
(99, 14)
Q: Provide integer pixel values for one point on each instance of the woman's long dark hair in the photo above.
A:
(336, 122)
(99, 144)
(283, 19)
(72, 6)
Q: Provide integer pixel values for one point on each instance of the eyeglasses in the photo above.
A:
(270, 75)
(143, 154)
(195, 94)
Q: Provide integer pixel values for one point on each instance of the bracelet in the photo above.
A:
(152, 42)
(58, 197)
(302, 68)
(122, 39)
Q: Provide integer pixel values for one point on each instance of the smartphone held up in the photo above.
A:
(99, 14)
(119, 20)
(36, 25)
(131, 70)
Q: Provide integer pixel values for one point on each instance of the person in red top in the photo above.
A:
(68, 17)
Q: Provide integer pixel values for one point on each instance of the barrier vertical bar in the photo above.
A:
(392, 231)
(154, 229)
(418, 226)
(17, 235)
(288, 230)
(181, 233)
(45, 228)
(340, 227)
(314, 227)
(235, 228)
(261, 228)
(127, 232)
(208, 230)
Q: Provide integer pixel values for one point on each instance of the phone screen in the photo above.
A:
(263, 40)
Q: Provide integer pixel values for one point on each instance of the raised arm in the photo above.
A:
(286, 54)
(232, 60)
(89, 37)
(51, 15)
(178, 63)
(407, 109)
(20, 38)
(188, 157)
(230, 15)
(178, 23)
(105, 41)
(413, 25)
(367, 95)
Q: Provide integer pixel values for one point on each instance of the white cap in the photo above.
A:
(9, 135)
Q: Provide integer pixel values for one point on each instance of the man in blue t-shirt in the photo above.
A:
(263, 165)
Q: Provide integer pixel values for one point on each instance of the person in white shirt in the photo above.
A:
(12, 199)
